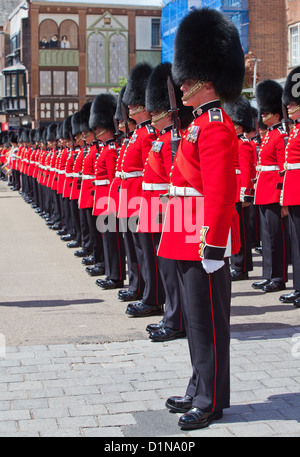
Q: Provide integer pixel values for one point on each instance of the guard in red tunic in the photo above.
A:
(155, 183)
(274, 223)
(132, 167)
(135, 280)
(86, 202)
(201, 227)
(290, 195)
(102, 123)
(241, 116)
(254, 137)
(82, 136)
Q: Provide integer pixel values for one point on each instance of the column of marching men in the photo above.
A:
(176, 188)
(97, 179)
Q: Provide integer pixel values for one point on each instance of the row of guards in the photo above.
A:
(182, 188)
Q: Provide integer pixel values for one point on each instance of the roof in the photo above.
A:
(137, 3)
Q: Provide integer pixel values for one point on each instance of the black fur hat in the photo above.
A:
(75, 122)
(102, 112)
(19, 134)
(240, 113)
(291, 91)
(157, 97)
(59, 131)
(31, 136)
(207, 47)
(137, 83)
(13, 137)
(38, 134)
(119, 113)
(25, 136)
(268, 95)
(85, 116)
(67, 128)
(44, 137)
(51, 132)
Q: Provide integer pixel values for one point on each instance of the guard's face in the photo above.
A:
(293, 110)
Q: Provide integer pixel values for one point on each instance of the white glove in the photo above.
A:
(210, 266)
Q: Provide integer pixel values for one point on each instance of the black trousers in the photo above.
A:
(135, 279)
(84, 228)
(254, 222)
(95, 237)
(113, 246)
(173, 314)
(206, 307)
(242, 261)
(154, 293)
(75, 220)
(275, 242)
(294, 230)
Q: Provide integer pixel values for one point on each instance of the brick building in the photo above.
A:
(64, 53)
(268, 37)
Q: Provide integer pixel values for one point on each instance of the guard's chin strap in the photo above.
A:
(193, 90)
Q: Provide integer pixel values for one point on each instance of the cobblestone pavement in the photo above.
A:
(60, 375)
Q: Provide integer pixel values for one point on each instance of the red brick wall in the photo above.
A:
(268, 36)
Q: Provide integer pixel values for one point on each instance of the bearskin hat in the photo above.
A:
(291, 91)
(102, 112)
(75, 123)
(25, 136)
(59, 131)
(31, 136)
(268, 95)
(67, 128)
(119, 113)
(157, 96)
(44, 137)
(207, 47)
(51, 132)
(38, 134)
(19, 134)
(240, 112)
(12, 137)
(85, 116)
(137, 83)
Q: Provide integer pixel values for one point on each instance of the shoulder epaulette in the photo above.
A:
(282, 129)
(215, 115)
(150, 128)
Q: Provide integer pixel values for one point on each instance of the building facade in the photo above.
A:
(70, 52)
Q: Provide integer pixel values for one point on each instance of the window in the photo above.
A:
(96, 58)
(294, 46)
(155, 33)
(58, 82)
(45, 82)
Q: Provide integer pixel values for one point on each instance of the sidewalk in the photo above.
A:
(73, 364)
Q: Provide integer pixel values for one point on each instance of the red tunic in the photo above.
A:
(86, 198)
(61, 170)
(105, 172)
(133, 161)
(270, 162)
(76, 184)
(245, 170)
(291, 183)
(69, 175)
(157, 174)
(203, 226)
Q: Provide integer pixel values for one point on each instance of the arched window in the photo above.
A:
(96, 58)
(117, 58)
(68, 34)
(48, 35)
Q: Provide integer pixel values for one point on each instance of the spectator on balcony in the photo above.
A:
(44, 43)
(54, 41)
(64, 43)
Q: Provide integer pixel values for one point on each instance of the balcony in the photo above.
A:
(58, 58)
